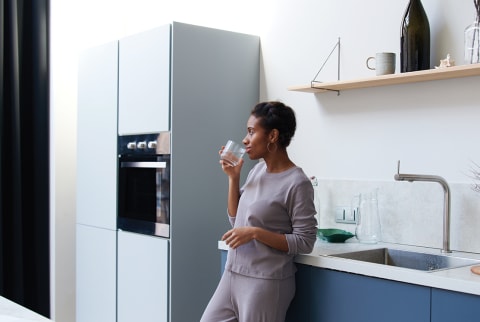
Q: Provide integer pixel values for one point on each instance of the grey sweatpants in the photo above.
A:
(240, 298)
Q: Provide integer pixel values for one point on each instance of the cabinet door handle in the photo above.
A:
(143, 164)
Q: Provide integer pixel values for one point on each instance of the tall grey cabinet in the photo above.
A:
(214, 85)
(200, 84)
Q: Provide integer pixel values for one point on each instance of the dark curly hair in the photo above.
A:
(276, 115)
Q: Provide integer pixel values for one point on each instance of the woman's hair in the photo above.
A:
(276, 115)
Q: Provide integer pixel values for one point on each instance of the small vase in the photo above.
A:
(472, 43)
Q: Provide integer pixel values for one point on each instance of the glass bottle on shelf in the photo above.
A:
(414, 38)
(472, 42)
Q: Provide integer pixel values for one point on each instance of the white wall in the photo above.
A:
(361, 134)
(352, 141)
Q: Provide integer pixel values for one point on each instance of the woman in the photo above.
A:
(273, 220)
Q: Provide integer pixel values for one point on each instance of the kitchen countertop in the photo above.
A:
(13, 312)
(456, 279)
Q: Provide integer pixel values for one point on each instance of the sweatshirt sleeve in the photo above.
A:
(304, 225)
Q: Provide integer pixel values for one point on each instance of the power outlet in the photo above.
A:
(353, 215)
(345, 215)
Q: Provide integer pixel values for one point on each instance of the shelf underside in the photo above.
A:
(392, 79)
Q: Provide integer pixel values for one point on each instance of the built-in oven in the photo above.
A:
(144, 184)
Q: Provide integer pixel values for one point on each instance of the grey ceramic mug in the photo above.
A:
(384, 63)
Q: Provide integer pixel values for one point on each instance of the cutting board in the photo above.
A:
(475, 269)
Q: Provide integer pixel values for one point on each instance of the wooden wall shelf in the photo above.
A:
(393, 79)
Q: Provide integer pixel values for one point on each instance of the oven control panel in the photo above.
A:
(154, 143)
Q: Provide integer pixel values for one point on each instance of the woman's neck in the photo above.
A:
(278, 162)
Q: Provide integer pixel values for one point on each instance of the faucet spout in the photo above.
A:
(446, 200)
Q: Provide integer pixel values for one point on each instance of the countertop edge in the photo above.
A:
(11, 311)
(456, 279)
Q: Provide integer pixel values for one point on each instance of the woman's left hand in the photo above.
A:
(241, 235)
(238, 236)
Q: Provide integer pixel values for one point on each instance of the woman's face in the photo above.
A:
(256, 140)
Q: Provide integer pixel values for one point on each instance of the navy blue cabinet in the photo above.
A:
(333, 296)
(454, 306)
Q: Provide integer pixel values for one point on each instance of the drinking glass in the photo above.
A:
(232, 153)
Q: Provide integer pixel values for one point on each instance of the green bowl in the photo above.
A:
(333, 235)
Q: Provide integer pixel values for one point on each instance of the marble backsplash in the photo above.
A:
(410, 213)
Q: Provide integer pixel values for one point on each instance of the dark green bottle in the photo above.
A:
(415, 39)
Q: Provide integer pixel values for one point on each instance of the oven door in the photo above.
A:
(144, 194)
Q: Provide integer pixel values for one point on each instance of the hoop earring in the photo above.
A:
(268, 147)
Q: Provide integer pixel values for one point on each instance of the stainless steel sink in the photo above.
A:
(408, 259)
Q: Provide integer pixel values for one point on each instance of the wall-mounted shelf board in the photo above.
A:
(392, 79)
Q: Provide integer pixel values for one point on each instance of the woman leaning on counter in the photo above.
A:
(272, 216)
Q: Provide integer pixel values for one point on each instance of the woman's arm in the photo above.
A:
(233, 174)
(233, 195)
(304, 224)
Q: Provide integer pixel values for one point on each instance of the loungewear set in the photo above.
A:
(258, 283)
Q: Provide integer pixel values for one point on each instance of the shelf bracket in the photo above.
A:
(314, 81)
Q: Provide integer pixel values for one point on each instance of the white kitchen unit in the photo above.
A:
(97, 137)
(96, 240)
(96, 276)
(142, 278)
(144, 82)
(212, 80)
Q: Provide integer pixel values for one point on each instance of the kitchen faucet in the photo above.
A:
(446, 200)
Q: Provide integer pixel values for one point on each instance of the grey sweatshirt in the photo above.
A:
(278, 202)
